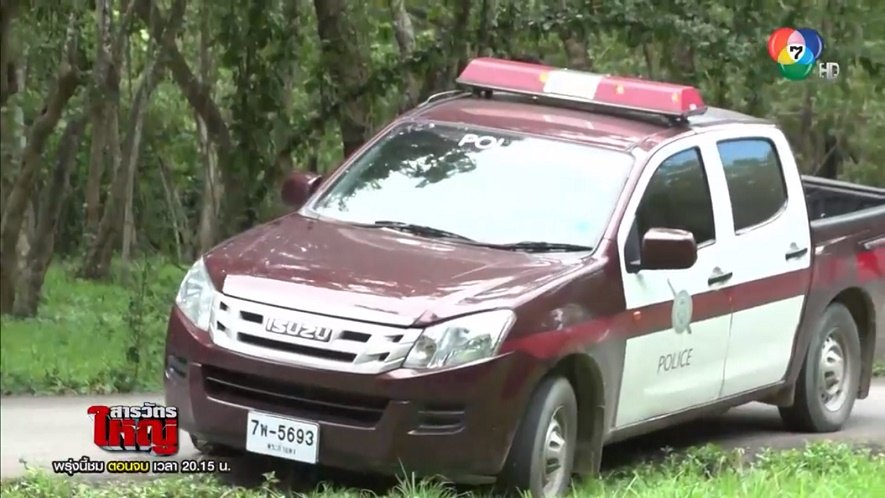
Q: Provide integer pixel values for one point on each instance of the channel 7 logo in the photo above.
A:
(797, 52)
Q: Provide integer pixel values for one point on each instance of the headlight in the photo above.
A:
(196, 294)
(460, 340)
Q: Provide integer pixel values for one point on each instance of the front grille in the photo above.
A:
(296, 348)
(305, 401)
(348, 346)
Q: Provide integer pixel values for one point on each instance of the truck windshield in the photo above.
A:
(489, 187)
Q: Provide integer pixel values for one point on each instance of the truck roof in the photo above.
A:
(570, 121)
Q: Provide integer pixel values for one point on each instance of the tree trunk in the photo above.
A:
(196, 94)
(98, 258)
(8, 83)
(212, 191)
(682, 58)
(52, 200)
(10, 150)
(120, 44)
(13, 140)
(575, 45)
(97, 149)
(460, 39)
(649, 56)
(99, 111)
(128, 224)
(283, 163)
(345, 57)
(207, 232)
(67, 82)
(405, 39)
(443, 76)
(576, 51)
(26, 233)
(104, 105)
(177, 216)
(488, 32)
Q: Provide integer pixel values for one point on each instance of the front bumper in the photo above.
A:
(457, 422)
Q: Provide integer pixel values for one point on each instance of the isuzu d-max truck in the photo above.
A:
(506, 279)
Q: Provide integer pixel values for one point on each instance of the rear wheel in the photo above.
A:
(542, 456)
(828, 382)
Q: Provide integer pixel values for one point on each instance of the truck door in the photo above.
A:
(770, 255)
(676, 348)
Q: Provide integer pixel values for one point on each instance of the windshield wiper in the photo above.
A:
(418, 229)
(532, 246)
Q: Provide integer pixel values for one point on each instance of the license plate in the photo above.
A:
(282, 437)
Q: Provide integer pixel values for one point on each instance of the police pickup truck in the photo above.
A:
(507, 279)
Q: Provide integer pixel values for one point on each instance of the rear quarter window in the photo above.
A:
(755, 180)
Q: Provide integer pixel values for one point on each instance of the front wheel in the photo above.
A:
(828, 382)
(542, 456)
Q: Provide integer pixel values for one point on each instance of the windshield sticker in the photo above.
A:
(481, 142)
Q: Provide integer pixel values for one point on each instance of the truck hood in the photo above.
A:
(375, 274)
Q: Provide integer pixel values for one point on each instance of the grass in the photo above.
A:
(820, 470)
(879, 369)
(91, 337)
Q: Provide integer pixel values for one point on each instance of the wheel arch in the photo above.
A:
(585, 377)
(860, 305)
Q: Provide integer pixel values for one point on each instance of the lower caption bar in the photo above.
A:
(86, 465)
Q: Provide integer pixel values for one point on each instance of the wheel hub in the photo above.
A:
(553, 453)
(833, 372)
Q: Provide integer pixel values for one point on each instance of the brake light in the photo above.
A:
(577, 86)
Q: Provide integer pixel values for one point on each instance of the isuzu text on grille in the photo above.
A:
(149, 428)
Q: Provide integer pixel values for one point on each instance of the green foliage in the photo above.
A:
(821, 470)
(279, 99)
(91, 337)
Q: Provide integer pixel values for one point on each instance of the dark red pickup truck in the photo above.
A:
(509, 278)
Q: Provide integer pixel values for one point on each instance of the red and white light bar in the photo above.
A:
(577, 86)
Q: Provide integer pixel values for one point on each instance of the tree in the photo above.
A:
(67, 81)
(98, 258)
(104, 103)
(52, 199)
(345, 57)
(8, 82)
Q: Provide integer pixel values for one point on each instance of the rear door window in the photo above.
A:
(755, 181)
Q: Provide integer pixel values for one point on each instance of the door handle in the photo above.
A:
(719, 277)
(874, 244)
(795, 252)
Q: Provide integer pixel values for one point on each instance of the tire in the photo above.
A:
(552, 412)
(813, 410)
(212, 449)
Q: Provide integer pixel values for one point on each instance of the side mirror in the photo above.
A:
(668, 249)
(298, 187)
